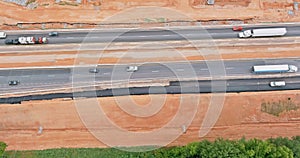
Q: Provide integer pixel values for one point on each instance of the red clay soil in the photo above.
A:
(62, 126)
(106, 11)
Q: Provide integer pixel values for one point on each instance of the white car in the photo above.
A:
(277, 83)
(2, 35)
(132, 68)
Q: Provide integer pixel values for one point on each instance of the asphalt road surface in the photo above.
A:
(191, 87)
(142, 35)
(43, 79)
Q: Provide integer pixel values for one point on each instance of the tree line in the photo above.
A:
(220, 148)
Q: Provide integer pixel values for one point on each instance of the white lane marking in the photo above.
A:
(81, 37)
(291, 82)
(26, 76)
(180, 69)
(204, 69)
(229, 68)
(106, 73)
(166, 35)
(51, 75)
(155, 71)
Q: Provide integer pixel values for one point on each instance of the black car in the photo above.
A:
(53, 34)
(13, 83)
(11, 41)
(94, 70)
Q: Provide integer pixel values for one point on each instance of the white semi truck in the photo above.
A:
(268, 32)
(274, 68)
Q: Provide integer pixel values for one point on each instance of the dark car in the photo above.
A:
(53, 34)
(11, 41)
(13, 83)
(94, 70)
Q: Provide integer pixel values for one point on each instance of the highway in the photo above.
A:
(43, 79)
(145, 35)
(194, 87)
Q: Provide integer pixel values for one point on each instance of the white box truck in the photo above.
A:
(274, 68)
(268, 32)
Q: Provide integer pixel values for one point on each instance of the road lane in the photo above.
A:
(45, 78)
(194, 87)
(146, 35)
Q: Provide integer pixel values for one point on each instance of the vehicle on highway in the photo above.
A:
(2, 35)
(11, 41)
(53, 33)
(274, 68)
(13, 83)
(41, 40)
(268, 32)
(132, 68)
(237, 28)
(93, 70)
(27, 40)
(277, 83)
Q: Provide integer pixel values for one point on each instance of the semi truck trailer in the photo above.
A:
(274, 68)
(27, 40)
(268, 32)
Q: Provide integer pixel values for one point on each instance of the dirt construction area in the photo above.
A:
(60, 123)
(55, 124)
(45, 14)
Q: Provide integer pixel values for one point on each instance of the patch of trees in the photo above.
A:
(253, 148)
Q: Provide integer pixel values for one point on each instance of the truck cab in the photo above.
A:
(246, 34)
(42, 40)
(293, 68)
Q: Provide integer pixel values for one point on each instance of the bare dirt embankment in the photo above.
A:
(62, 127)
(43, 14)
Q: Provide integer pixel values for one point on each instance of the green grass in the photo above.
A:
(275, 108)
(77, 153)
(45, 4)
(64, 152)
(29, 2)
(67, 3)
